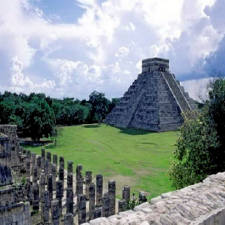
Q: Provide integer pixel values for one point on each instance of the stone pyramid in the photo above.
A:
(155, 101)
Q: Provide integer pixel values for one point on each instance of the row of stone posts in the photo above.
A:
(49, 185)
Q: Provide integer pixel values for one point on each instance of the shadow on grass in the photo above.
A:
(91, 126)
(131, 131)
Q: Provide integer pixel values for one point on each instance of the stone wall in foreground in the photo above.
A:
(202, 203)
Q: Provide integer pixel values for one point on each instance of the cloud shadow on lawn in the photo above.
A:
(92, 126)
(131, 131)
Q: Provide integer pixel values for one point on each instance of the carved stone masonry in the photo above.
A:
(50, 187)
(106, 205)
(79, 180)
(88, 180)
(55, 212)
(91, 201)
(81, 209)
(59, 194)
(68, 219)
(112, 197)
(69, 200)
(55, 160)
(99, 189)
(35, 201)
(126, 194)
(45, 206)
(61, 170)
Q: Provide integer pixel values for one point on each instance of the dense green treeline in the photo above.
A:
(36, 114)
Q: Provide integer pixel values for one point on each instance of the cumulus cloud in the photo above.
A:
(104, 48)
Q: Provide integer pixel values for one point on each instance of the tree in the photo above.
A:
(201, 146)
(100, 106)
(40, 119)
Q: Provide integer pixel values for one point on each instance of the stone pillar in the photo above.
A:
(50, 187)
(79, 180)
(28, 189)
(54, 175)
(99, 189)
(69, 180)
(49, 157)
(70, 167)
(42, 159)
(35, 200)
(55, 212)
(68, 219)
(46, 170)
(81, 209)
(142, 197)
(91, 192)
(59, 194)
(112, 197)
(33, 159)
(106, 205)
(88, 180)
(45, 206)
(55, 160)
(98, 212)
(43, 153)
(122, 205)
(61, 170)
(35, 174)
(69, 200)
(42, 184)
(39, 165)
(126, 194)
(28, 167)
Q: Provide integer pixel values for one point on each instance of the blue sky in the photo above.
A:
(60, 11)
(68, 48)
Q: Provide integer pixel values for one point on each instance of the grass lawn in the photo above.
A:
(137, 158)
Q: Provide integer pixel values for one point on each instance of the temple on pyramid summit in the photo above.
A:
(155, 101)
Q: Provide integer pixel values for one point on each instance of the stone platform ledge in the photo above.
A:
(197, 204)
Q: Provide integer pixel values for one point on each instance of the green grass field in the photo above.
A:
(137, 158)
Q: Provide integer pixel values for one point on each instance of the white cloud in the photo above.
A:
(197, 89)
(103, 50)
(23, 83)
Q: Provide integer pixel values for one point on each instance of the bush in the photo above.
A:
(200, 148)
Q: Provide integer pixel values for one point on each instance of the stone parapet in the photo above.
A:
(198, 204)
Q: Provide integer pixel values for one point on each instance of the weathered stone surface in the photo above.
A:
(18, 214)
(55, 212)
(69, 200)
(45, 206)
(55, 160)
(59, 194)
(50, 187)
(99, 189)
(79, 180)
(91, 201)
(106, 205)
(68, 219)
(153, 102)
(5, 175)
(126, 194)
(88, 180)
(199, 204)
(81, 209)
(70, 166)
(112, 196)
(35, 199)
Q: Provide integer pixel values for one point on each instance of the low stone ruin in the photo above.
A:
(53, 192)
(53, 195)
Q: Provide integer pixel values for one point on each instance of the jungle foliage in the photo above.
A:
(36, 115)
(200, 148)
